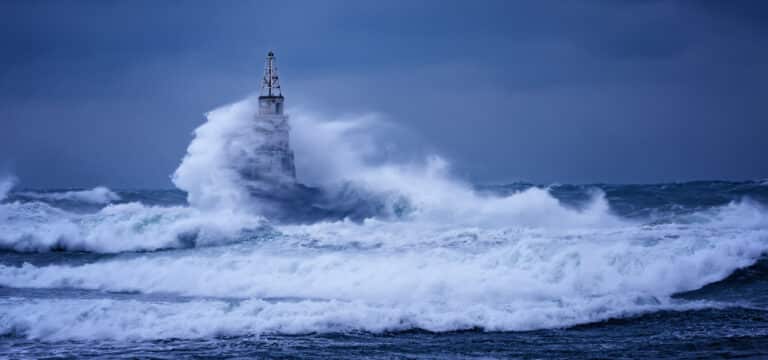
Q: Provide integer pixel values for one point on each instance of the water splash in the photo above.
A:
(6, 184)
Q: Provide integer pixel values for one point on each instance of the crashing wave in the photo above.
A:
(125, 320)
(394, 275)
(364, 244)
(39, 227)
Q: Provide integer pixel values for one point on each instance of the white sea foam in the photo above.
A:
(334, 152)
(57, 320)
(36, 226)
(209, 172)
(382, 261)
(97, 195)
(458, 260)
(381, 275)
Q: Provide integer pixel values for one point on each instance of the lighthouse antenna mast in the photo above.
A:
(270, 84)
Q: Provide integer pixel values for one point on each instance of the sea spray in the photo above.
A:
(39, 227)
(6, 184)
(384, 275)
(339, 159)
(451, 259)
(208, 173)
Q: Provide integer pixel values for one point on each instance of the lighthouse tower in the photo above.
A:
(271, 97)
(272, 158)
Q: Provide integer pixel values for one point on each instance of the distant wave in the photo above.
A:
(97, 195)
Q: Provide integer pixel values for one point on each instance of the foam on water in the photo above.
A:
(457, 259)
(383, 275)
(97, 195)
(57, 320)
(37, 226)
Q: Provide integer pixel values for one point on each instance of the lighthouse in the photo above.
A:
(261, 153)
(271, 162)
(271, 96)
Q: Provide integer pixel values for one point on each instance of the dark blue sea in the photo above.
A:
(675, 270)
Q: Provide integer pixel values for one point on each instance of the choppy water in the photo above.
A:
(608, 271)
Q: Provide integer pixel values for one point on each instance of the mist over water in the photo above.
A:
(6, 184)
(432, 251)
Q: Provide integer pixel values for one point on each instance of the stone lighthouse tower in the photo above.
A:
(272, 158)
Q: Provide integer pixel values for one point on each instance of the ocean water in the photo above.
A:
(379, 255)
(606, 271)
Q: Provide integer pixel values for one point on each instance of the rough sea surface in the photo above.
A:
(516, 271)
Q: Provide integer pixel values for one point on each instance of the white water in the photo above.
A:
(458, 260)
(118, 228)
(97, 195)
(56, 320)
(209, 171)
(393, 262)
(389, 276)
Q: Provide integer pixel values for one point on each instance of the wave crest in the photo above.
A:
(394, 275)
(99, 195)
(39, 227)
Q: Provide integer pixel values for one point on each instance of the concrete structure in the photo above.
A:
(272, 160)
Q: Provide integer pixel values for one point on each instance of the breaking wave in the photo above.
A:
(97, 195)
(386, 276)
(39, 227)
(430, 252)
(133, 320)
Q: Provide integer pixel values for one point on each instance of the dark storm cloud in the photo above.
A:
(108, 92)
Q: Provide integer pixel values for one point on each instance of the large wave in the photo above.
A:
(61, 320)
(353, 182)
(435, 254)
(342, 158)
(38, 227)
(383, 275)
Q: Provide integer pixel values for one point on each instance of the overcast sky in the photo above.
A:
(108, 92)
